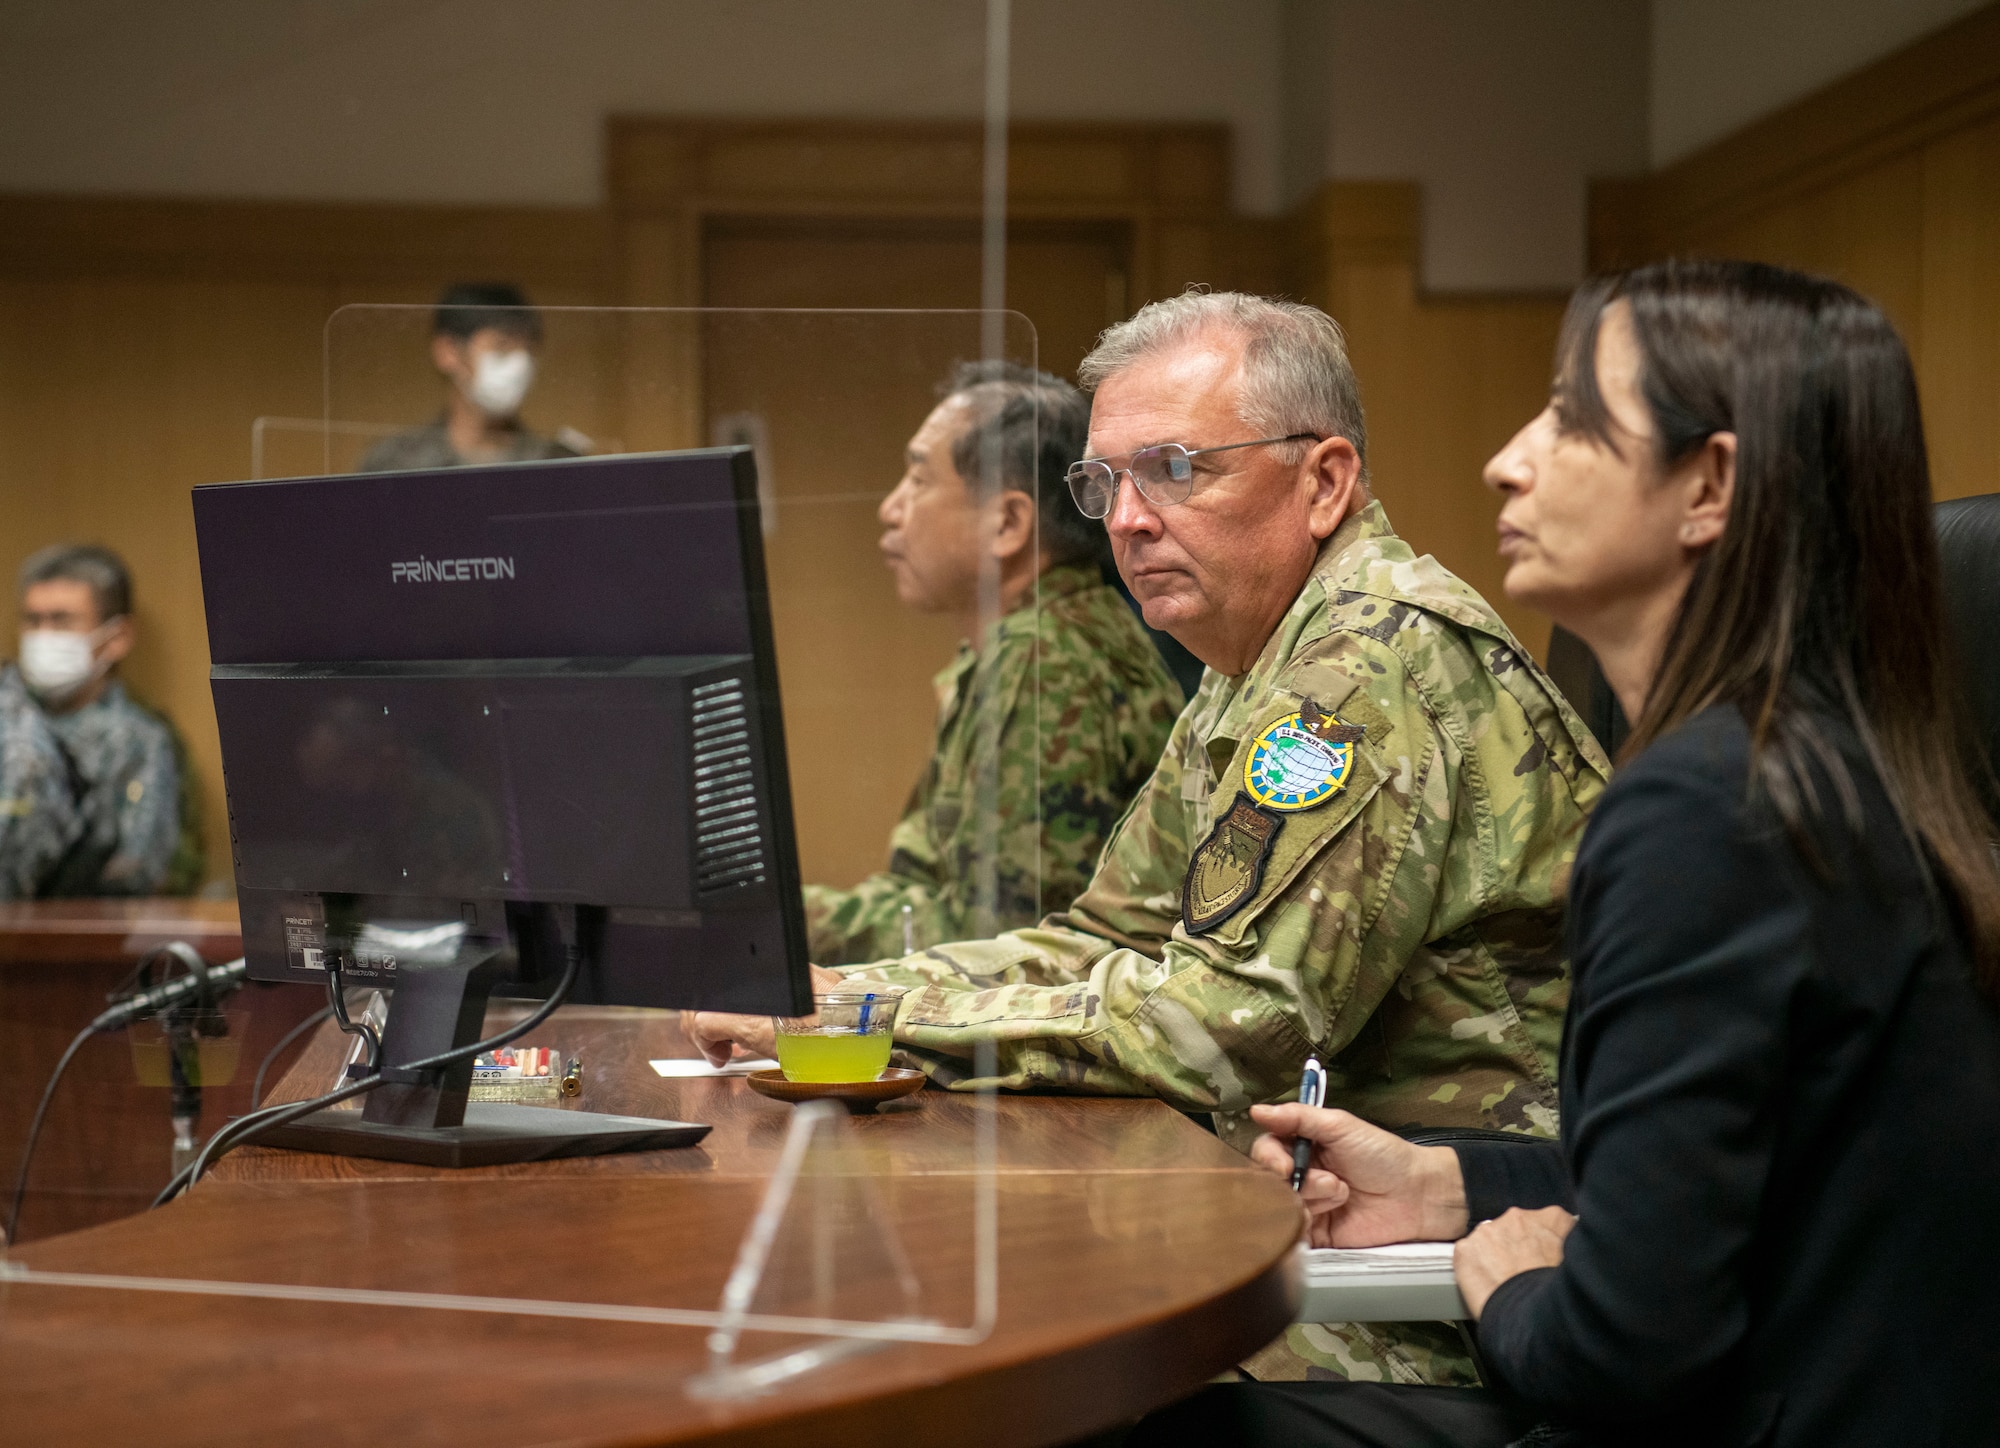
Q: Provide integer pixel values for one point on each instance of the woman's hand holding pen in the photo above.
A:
(1365, 1187)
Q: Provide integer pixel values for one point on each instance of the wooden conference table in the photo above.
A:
(1138, 1256)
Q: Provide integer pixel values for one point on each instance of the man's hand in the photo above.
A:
(1515, 1242)
(719, 1036)
(1366, 1187)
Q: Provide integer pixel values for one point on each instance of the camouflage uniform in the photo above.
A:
(430, 446)
(135, 801)
(1405, 928)
(38, 819)
(1080, 704)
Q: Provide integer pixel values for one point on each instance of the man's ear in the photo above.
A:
(119, 636)
(450, 356)
(1709, 484)
(1011, 519)
(1331, 478)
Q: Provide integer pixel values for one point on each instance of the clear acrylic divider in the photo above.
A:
(826, 402)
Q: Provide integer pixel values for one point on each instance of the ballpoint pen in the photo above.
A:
(1312, 1092)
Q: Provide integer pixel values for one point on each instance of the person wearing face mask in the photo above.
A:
(126, 822)
(484, 340)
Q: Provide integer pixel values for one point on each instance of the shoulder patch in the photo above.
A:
(1301, 760)
(1228, 866)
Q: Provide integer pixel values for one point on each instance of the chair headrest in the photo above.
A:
(1969, 550)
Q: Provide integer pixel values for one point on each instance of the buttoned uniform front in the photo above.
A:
(1072, 703)
(430, 446)
(1406, 927)
(38, 817)
(135, 801)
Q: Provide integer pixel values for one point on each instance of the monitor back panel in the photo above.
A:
(446, 695)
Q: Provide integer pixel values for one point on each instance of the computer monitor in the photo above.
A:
(457, 705)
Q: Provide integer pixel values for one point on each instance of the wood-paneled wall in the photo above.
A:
(1888, 180)
(140, 339)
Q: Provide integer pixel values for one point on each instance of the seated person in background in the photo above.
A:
(1355, 843)
(484, 337)
(38, 821)
(1076, 695)
(135, 830)
(1770, 1218)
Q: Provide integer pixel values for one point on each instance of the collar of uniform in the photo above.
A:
(1340, 555)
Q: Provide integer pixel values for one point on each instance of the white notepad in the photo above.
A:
(1406, 1282)
(685, 1067)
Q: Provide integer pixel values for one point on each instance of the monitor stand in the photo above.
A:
(426, 1118)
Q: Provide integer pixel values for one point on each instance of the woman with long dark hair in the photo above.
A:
(1773, 1214)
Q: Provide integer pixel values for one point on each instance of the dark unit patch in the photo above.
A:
(1228, 866)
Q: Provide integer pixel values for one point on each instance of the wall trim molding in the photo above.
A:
(1942, 83)
(290, 241)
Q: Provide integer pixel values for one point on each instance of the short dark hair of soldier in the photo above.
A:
(464, 308)
(1037, 423)
(99, 569)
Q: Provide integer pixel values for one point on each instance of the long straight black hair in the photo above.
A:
(1823, 591)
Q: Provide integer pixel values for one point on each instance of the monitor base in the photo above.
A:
(492, 1134)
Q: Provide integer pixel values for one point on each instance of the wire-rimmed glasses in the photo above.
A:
(1163, 474)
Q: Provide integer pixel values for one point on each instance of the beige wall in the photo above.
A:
(1888, 180)
(1718, 65)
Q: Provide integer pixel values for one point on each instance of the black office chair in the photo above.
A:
(1969, 550)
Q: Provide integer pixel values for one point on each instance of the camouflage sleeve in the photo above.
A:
(38, 816)
(1071, 750)
(866, 922)
(1225, 1017)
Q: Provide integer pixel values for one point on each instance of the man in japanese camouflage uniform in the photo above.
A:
(1063, 705)
(1356, 843)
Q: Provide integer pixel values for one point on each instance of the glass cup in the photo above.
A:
(847, 1038)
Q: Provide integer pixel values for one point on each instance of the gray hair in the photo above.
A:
(1296, 376)
(101, 570)
(1036, 423)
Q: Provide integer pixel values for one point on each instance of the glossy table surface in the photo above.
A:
(1137, 1256)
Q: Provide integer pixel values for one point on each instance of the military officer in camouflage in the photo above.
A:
(1065, 693)
(1356, 841)
(132, 825)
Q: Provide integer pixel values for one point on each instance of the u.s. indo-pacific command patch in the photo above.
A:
(1228, 866)
(1301, 760)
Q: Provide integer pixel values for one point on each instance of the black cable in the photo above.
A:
(35, 1130)
(245, 1128)
(174, 950)
(257, 1085)
(336, 996)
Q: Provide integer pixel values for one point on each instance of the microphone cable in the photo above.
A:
(134, 1007)
(35, 1130)
(247, 1128)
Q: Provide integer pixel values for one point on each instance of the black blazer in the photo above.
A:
(1780, 1130)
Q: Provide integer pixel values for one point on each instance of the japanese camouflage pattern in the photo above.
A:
(135, 801)
(1077, 704)
(1407, 930)
(38, 818)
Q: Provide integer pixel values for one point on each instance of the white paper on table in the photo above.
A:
(695, 1067)
(1399, 1257)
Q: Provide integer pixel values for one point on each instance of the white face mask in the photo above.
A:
(55, 663)
(500, 381)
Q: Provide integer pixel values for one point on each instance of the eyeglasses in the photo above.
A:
(1164, 475)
